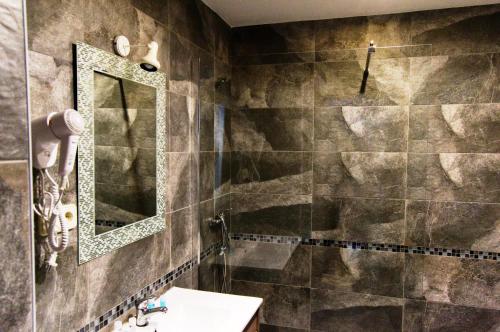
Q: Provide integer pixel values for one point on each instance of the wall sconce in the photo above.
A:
(149, 62)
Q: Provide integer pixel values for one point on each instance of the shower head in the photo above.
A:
(371, 47)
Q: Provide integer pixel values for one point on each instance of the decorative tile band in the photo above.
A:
(110, 223)
(295, 240)
(108, 317)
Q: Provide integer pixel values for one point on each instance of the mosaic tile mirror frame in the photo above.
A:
(110, 95)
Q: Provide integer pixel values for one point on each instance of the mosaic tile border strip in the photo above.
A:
(129, 303)
(295, 240)
(110, 223)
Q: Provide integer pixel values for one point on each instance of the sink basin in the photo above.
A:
(193, 310)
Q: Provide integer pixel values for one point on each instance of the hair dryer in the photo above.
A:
(48, 133)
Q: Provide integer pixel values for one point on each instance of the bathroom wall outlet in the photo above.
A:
(69, 213)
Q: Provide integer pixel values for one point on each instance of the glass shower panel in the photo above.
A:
(318, 171)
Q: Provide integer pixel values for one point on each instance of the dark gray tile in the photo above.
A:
(334, 311)
(161, 253)
(356, 174)
(222, 129)
(193, 20)
(357, 32)
(357, 219)
(453, 225)
(13, 108)
(360, 271)
(273, 58)
(181, 236)
(223, 83)
(179, 185)
(207, 127)
(156, 9)
(283, 305)
(341, 129)
(69, 287)
(282, 129)
(48, 31)
(206, 274)
(182, 110)
(222, 173)
(434, 317)
(274, 328)
(271, 214)
(454, 177)
(339, 83)
(458, 30)
(273, 86)
(271, 172)
(208, 234)
(51, 84)
(222, 38)
(396, 51)
(273, 38)
(455, 128)
(460, 281)
(186, 280)
(190, 66)
(283, 264)
(150, 29)
(207, 175)
(458, 79)
(15, 276)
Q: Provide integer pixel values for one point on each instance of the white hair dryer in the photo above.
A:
(48, 133)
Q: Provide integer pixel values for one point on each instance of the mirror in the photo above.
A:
(121, 191)
(125, 142)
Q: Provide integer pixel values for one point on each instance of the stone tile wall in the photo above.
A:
(16, 266)
(72, 295)
(412, 162)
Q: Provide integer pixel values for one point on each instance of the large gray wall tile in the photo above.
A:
(453, 225)
(271, 172)
(454, 79)
(454, 177)
(272, 129)
(16, 268)
(273, 86)
(283, 305)
(455, 128)
(358, 219)
(452, 280)
(338, 311)
(346, 128)
(360, 271)
(271, 214)
(357, 174)
(13, 130)
(270, 263)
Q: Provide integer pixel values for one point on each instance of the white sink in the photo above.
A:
(195, 311)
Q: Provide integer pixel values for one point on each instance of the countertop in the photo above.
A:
(192, 310)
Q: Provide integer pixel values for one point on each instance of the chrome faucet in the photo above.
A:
(142, 310)
(220, 219)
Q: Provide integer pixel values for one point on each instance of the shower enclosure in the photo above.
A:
(349, 193)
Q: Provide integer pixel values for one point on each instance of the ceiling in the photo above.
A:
(251, 12)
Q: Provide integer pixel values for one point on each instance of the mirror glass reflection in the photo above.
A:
(125, 152)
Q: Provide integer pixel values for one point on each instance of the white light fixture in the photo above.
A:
(149, 62)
